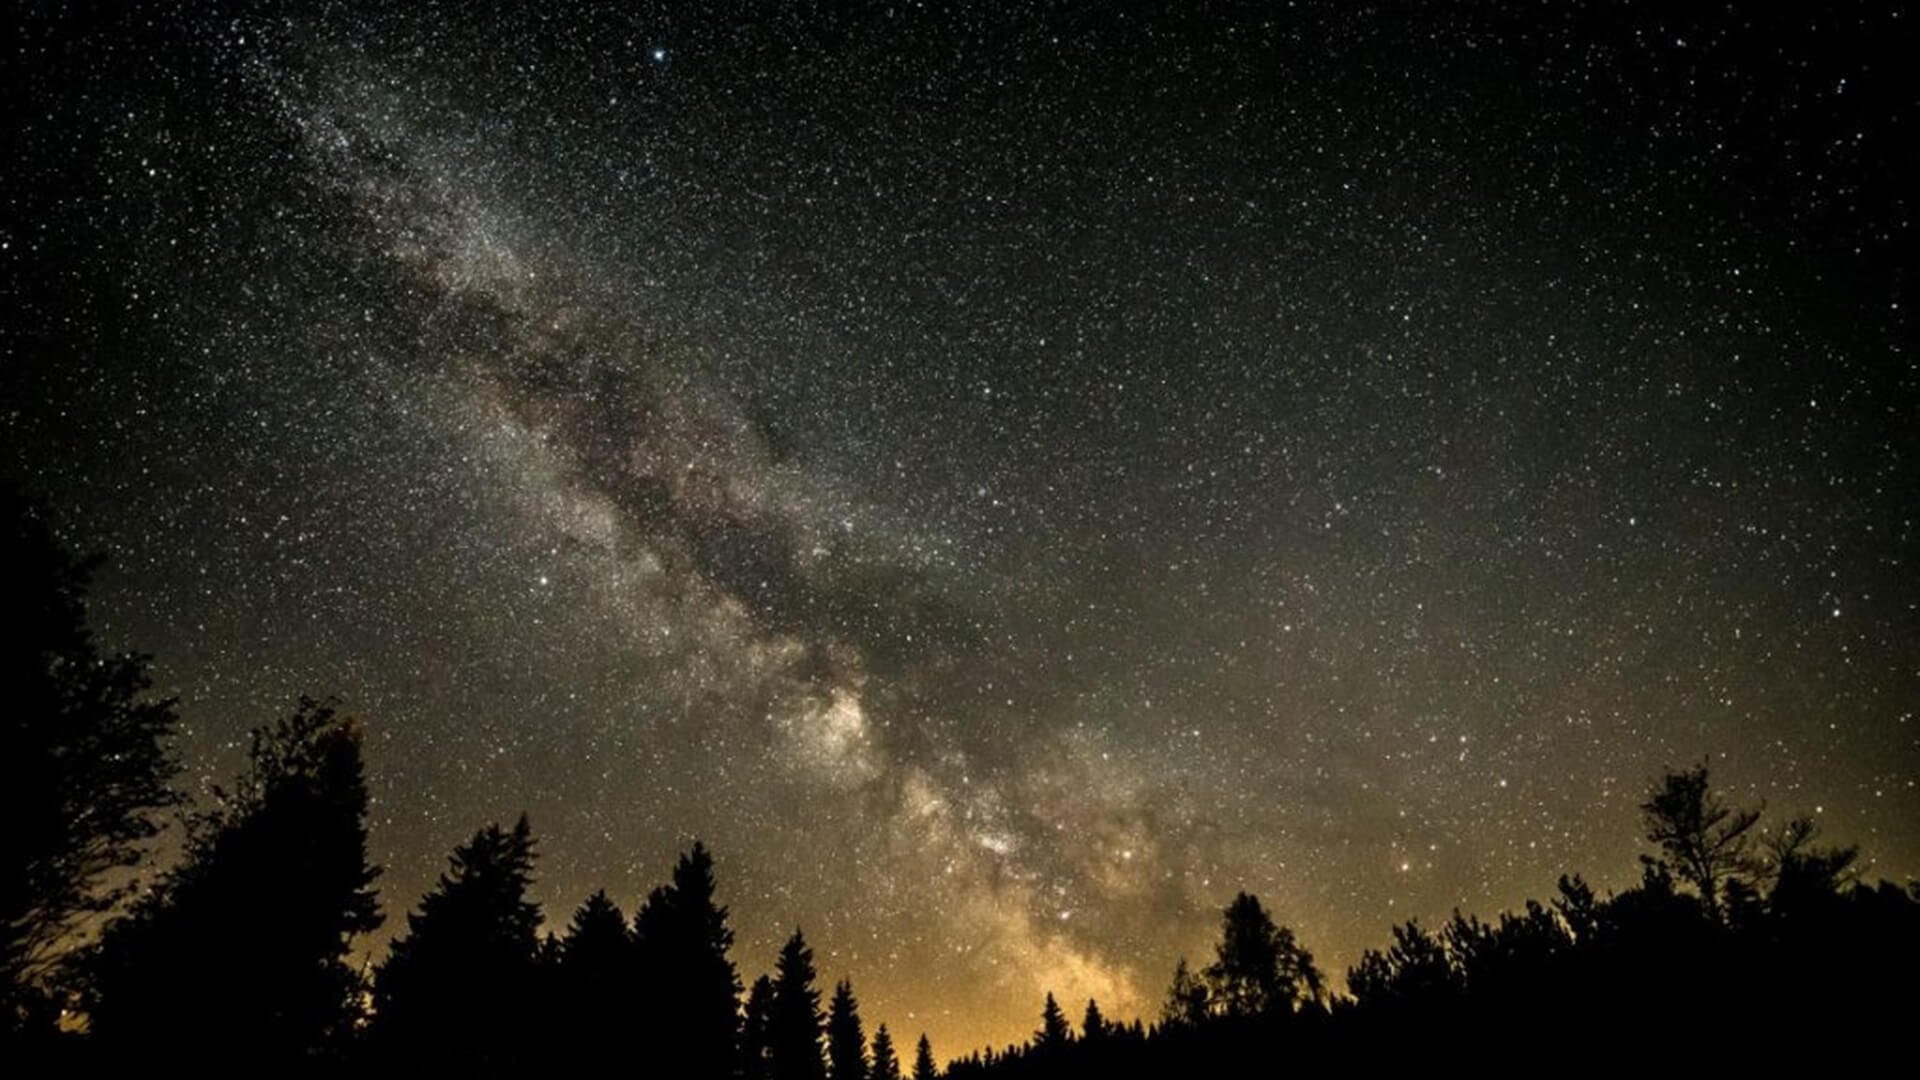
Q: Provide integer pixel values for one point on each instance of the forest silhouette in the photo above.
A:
(1737, 944)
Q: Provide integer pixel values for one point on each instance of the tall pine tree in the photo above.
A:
(923, 1067)
(886, 1061)
(846, 1042)
(681, 940)
(794, 1037)
(756, 1032)
(454, 993)
(1054, 1034)
(594, 972)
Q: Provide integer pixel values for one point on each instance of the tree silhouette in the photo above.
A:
(1258, 967)
(1414, 969)
(1187, 998)
(846, 1042)
(794, 1038)
(454, 991)
(243, 946)
(1093, 1026)
(595, 979)
(886, 1063)
(681, 940)
(1704, 842)
(923, 1068)
(1054, 1033)
(756, 1032)
(83, 757)
(1803, 875)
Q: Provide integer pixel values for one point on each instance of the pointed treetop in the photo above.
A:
(923, 1068)
(886, 1063)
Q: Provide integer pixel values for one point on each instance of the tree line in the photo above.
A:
(238, 955)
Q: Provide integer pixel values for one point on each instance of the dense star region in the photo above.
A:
(1007, 479)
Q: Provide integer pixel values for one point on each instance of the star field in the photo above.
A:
(1006, 482)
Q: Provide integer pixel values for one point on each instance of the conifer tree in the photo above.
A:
(1054, 1034)
(923, 1068)
(594, 969)
(1186, 1003)
(886, 1062)
(1702, 841)
(846, 1042)
(1093, 1026)
(681, 940)
(795, 1029)
(756, 1032)
(454, 990)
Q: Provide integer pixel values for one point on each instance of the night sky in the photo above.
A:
(1005, 476)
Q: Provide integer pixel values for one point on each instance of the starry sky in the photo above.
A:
(1006, 476)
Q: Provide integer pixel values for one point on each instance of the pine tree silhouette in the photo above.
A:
(923, 1068)
(594, 969)
(1093, 1026)
(1054, 1034)
(454, 992)
(756, 1032)
(1187, 998)
(83, 759)
(1702, 841)
(796, 1023)
(846, 1042)
(886, 1062)
(681, 941)
(242, 949)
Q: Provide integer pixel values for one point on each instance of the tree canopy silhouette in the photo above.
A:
(1054, 1033)
(454, 991)
(595, 979)
(846, 1042)
(681, 942)
(923, 1066)
(756, 1031)
(795, 1026)
(84, 759)
(243, 945)
(1702, 841)
(1258, 967)
(886, 1061)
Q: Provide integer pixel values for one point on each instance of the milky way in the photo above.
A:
(1005, 483)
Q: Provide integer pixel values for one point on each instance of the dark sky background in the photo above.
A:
(1006, 481)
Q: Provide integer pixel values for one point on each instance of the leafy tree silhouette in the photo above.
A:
(794, 1038)
(1702, 841)
(681, 941)
(83, 760)
(886, 1063)
(454, 991)
(1258, 967)
(846, 1042)
(923, 1068)
(241, 950)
